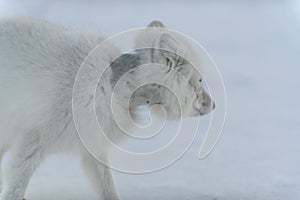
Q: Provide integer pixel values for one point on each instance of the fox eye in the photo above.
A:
(200, 80)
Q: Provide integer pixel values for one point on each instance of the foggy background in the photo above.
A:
(256, 45)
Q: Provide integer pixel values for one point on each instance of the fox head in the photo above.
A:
(173, 82)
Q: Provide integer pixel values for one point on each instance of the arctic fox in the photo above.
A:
(38, 65)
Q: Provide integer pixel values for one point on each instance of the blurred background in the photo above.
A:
(256, 45)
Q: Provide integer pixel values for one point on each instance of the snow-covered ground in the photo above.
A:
(256, 45)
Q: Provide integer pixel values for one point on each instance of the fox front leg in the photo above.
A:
(100, 177)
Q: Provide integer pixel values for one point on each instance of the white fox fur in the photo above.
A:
(38, 65)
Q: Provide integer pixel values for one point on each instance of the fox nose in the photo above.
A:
(213, 105)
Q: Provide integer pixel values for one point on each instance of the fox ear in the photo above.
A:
(156, 23)
(167, 42)
(165, 47)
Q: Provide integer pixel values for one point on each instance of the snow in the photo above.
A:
(256, 46)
